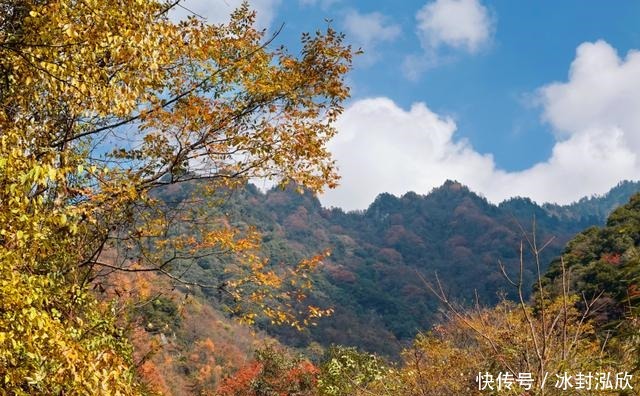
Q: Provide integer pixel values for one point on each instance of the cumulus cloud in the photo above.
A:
(463, 24)
(603, 92)
(444, 25)
(368, 30)
(219, 11)
(382, 147)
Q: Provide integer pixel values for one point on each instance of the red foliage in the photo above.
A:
(240, 383)
(277, 198)
(341, 274)
(304, 368)
(298, 220)
(203, 350)
(257, 377)
(395, 234)
(457, 240)
(390, 255)
(611, 258)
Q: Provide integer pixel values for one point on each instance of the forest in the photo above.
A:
(137, 257)
(357, 351)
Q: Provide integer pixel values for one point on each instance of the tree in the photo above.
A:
(273, 372)
(103, 103)
(347, 371)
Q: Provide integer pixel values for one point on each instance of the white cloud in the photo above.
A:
(382, 147)
(603, 92)
(587, 163)
(445, 25)
(462, 24)
(369, 30)
(219, 11)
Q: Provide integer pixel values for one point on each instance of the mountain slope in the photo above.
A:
(604, 263)
(374, 278)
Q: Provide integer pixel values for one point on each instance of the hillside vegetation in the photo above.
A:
(130, 237)
(380, 257)
(558, 343)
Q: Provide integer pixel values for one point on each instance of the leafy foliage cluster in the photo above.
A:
(273, 372)
(101, 104)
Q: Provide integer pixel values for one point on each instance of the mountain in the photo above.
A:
(596, 209)
(603, 263)
(382, 258)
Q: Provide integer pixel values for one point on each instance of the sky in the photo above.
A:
(534, 98)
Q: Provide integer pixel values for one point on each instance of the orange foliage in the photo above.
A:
(612, 258)
(278, 376)
(214, 346)
(240, 383)
(153, 377)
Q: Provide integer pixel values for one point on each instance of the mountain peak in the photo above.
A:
(453, 185)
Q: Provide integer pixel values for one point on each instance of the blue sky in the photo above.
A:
(533, 98)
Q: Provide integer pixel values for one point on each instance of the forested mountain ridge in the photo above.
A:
(597, 207)
(380, 257)
(598, 259)
(603, 263)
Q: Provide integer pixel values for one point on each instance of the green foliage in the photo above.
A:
(347, 371)
(283, 374)
(605, 262)
(596, 207)
(160, 314)
(509, 337)
(370, 277)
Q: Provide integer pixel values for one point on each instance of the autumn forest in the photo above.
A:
(138, 257)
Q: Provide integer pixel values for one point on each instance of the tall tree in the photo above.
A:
(101, 104)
